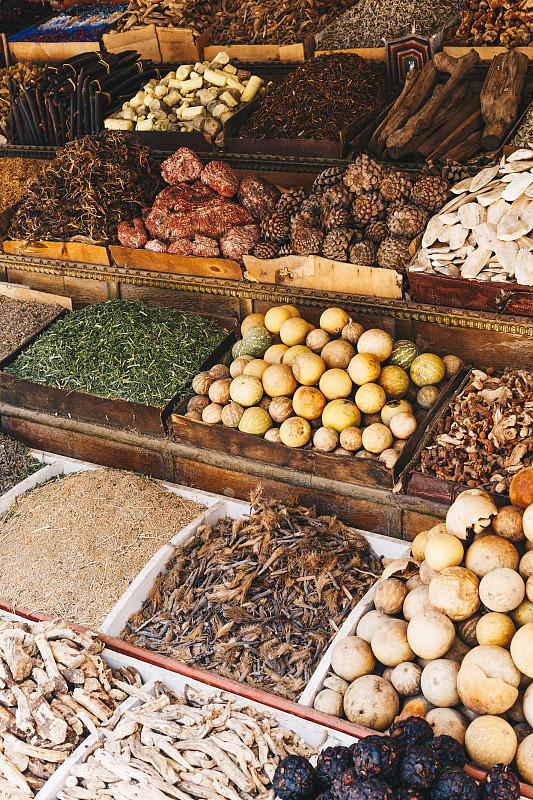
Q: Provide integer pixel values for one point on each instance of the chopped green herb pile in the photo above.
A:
(121, 349)
(15, 463)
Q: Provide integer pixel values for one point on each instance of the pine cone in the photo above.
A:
(266, 250)
(396, 185)
(309, 214)
(276, 227)
(407, 221)
(306, 241)
(377, 231)
(364, 252)
(368, 207)
(291, 201)
(329, 177)
(364, 175)
(335, 197)
(430, 192)
(285, 249)
(453, 172)
(393, 253)
(336, 244)
(337, 218)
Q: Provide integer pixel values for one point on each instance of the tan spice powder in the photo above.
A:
(72, 546)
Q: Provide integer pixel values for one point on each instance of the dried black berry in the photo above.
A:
(370, 789)
(448, 751)
(419, 767)
(376, 756)
(454, 784)
(332, 762)
(500, 784)
(295, 779)
(409, 793)
(340, 785)
(413, 730)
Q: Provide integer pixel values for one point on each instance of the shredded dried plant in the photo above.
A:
(258, 599)
(93, 184)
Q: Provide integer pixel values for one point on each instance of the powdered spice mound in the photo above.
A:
(72, 546)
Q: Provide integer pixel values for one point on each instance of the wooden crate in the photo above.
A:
(369, 53)
(167, 45)
(116, 413)
(142, 39)
(250, 53)
(317, 272)
(63, 251)
(485, 53)
(25, 295)
(174, 264)
(44, 52)
(365, 472)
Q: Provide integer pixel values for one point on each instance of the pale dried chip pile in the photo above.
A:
(72, 546)
(484, 232)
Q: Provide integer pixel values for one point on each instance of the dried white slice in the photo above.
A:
(475, 262)
(520, 205)
(507, 178)
(462, 186)
(463, 252)
(457, 236)
(438, 248)
(418, 268)
(507, 253)
(450, 218)
(524, 268)
(455, 203)
(486, 236)
(496, 211)
(444, 257)
(529, 191)
(433, 231)
(498, 278)
(520, 154)
(525, 242)
(483, 276)
(449, 270)
(483, 178)
(518, 186)
(471, 215)
(516, 166)
(511, 227)
(526, 213)
(487, 198)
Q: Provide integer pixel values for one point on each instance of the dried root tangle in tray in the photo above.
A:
(186, 745)
(55, 690)
(93, 184)
(259, 598)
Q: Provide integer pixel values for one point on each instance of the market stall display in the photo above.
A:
(492, 413)
(293, 574)
(325, 101)
(435, 120)
(20, 320)
(482, 233)
(195, 97)
(16, 463)
(19, 73)
(371, 23)
(448, 636)
(117, 521)
(92, 185)
(490, 24)
(367, 213)
(57, 689)
(16, 14)
(71, 99)
(338, 387)
(79, 23)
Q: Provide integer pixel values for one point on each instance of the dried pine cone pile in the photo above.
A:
(366, 214)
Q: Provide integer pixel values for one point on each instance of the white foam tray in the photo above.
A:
(313, 734)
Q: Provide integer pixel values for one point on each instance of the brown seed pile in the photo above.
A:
(319, 99)
(15, 463)
(273, 22)
(72, 546)
(257, 599)
(486, 436)
(14, 175)
(20, 320)
(194, 14)
(371, 23)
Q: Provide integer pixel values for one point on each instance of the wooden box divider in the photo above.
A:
(174, 264)
(62, 251)
(350, 470)
(116, 413)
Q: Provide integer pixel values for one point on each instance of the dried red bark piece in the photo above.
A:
(181, 247)
(181, 167)
(133, 235)
(221, 177)
(205, 246)
(258, 196)
(156, 246)
(240, 240)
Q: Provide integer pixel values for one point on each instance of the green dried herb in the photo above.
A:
(121, 349)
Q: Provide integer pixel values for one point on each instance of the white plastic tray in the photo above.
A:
(313, 734)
